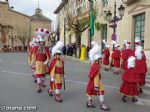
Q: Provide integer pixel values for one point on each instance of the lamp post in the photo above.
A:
(64, 31)
(53, 37)
(58, 32)
(113, 20)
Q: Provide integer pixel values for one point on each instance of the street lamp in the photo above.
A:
(113, 20)
(58, 32)
(53, 37)
(64, 31)
(121, 10)
(109, 16)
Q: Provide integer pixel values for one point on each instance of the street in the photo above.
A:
(17, 88)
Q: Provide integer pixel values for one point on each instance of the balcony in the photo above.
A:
(129, 1)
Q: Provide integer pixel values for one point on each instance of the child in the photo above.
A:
(56, 72)
(95, 86)
(129, 86)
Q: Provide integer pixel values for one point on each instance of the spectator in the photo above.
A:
(70, 50)
(87, 51)
(64, 50)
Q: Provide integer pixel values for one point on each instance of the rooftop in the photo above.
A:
(60, 6)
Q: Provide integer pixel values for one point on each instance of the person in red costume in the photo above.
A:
(95, 86)
(106, 54)
(56, 71)
(141, 63)
(30, 51)
(41, 57)
(116, 56)
(129, 86)
(126, 53)
(33, 44)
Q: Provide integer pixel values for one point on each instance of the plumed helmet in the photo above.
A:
(59, 45)
(35, 40)
(127, 43)
(106, 45)
(40, 38)
(43, 32)
(117, 45)
(57, 48)
(93, 43)
(137, 41)
(95, 53)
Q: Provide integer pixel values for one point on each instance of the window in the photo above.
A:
(139, 28)
(104, 34)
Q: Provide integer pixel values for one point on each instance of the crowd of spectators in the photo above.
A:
(7, 48)
(69, 49)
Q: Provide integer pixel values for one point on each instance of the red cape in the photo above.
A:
(95, 68)
(52, 64)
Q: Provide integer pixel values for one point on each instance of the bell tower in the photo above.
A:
(38, 10)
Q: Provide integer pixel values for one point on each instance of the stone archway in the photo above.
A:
(5, 30)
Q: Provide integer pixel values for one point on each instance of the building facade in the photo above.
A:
(134, 23)
(15, 26)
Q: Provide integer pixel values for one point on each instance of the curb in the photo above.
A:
(86, 61)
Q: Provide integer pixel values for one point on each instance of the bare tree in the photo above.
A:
(76, 20)
(22, 35)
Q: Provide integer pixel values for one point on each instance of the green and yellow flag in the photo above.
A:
(91, 19)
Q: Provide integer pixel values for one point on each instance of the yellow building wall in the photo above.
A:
(125, 28)
(20, 23)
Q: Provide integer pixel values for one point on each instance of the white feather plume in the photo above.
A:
(125, 41)
(95, 53)
(57, 48)
(138, 52)
(93, 43)
(131, 62)
(137, 39)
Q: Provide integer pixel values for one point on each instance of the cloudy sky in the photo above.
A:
(28, 7)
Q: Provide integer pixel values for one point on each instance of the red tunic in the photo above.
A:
(125, 55)
(116, 55)
(130, 78)
(40, 56)
(95, 69)
(106, 53)
(142, 69)
(56, 72)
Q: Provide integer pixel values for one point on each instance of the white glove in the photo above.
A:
(32, 65)
(46, 62)
(52, 79)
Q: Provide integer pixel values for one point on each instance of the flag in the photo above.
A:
(91, 20)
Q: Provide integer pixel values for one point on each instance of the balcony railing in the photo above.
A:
(129, 1)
